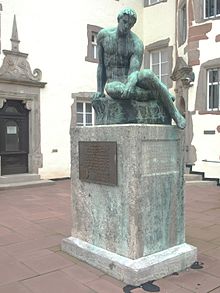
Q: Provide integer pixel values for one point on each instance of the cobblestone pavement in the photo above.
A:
(33, 221)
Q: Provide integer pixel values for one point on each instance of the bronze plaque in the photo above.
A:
(98, 162)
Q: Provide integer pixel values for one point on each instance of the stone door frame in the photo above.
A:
(31, 99)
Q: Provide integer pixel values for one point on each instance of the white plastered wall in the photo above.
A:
(159, 24)
(54, 34)
(207, 145)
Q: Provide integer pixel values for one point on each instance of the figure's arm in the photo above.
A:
(101, 71)
(135, 65)
(137, 57)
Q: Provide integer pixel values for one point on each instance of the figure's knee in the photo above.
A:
(148, 74)
(110, 88)
(114, 89)
(147, 78)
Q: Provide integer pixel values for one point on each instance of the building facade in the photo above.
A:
(181, 40)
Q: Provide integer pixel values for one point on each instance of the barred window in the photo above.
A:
(213, 102)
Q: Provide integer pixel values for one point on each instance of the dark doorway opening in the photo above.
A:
(14, 138)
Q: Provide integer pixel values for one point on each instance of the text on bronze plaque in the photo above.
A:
(98, 162)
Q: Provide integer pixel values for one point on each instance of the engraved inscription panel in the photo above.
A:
(159, 157)
(98, 162)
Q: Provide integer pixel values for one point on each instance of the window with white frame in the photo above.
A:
(94, 45)
(152, 2)
(213, 102)
(85, 114)
(92, 32)
(159, 64)
(211, 8)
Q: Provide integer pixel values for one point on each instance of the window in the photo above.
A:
(152, 2)
(94, 45)
(12, 136)
(85, 114)
(212, 8)
(207, 94)
(213, 102)
(158, 56)
(206, 9)
(92, 32)
(159, 64)
(182, 27)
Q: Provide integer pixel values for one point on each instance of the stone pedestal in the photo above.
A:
(133, 231)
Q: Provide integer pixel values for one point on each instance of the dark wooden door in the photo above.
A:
(14, 140)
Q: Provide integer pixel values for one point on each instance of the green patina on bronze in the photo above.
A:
(133, 95)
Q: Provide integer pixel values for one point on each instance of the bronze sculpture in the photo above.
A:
(134, 95)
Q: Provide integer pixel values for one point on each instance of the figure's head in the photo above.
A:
(126, 20)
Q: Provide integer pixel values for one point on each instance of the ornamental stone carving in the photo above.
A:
(16, 67)
(2, 101)
(183, 72)
(28, 104)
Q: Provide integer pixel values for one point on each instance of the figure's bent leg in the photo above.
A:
(115, 89)
(148, 80)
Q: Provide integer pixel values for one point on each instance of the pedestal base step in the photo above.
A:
(133, 272)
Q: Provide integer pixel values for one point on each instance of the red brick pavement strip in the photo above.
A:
(33, 221)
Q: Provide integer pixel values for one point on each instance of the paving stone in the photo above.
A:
(82, 264)
(80, 274)
(14, 288)
(103, 286)
(113, 281)
(10, 238)
(203, 245)
(213, 252)
(196, 281)
(29, 247)
(55, 282)
(22, 252)
(14, 271)
(214, 269)
(56, 225)
(46, 263)
(217, 290)
(169, 287)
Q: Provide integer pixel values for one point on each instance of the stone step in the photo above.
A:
(202, 182)
(22, 180)
(193, 177)
(25, 184)
(18, 178)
